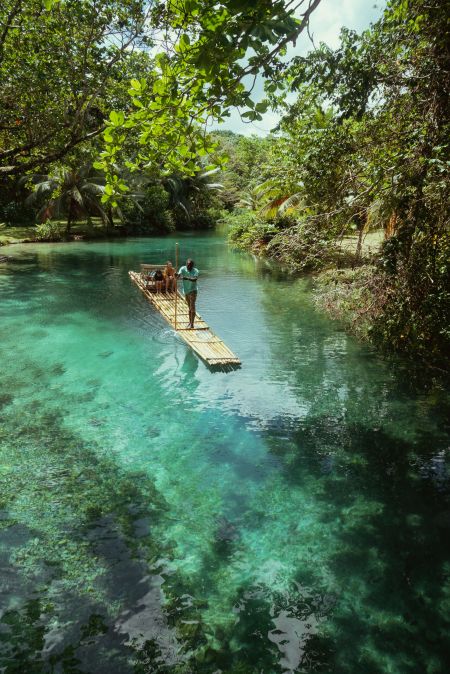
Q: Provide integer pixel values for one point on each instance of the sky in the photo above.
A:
(325, 25)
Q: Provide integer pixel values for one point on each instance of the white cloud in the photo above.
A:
(332, 15)
(325, 26)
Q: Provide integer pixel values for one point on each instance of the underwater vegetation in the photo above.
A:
(292, 516)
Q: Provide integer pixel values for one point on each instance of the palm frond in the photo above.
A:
(292, 202)
(92, 189)
(213, 186)
(206, 174)
(76, 195)
(119, 213)
(271, 209)
(42, 190)
(268, 184)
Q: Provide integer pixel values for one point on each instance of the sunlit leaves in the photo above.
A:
(136, 87)
(183, 43)
(197, 77)
(49, 4)
(381, 159)
(116, 118)
(62, 71)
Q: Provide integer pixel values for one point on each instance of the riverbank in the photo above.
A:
(361, 285)
(55, 231)
(343, 276)
(376, 307)
(348, 295)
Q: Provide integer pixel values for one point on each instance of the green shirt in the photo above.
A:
(188, 286)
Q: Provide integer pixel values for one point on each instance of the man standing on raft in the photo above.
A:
(189, 275)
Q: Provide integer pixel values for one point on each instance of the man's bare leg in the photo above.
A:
(190, 299)
(188, 302)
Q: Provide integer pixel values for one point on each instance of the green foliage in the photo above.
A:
(304, 247)
(246, 157)
(15, 213)
(149, 214)
(378, 157)
(54, 98)
(176, 202)
(70, 192)
(49, 231)
(151, 111)
(416, 308)
(195, 79)
(352, 296)
(200, 219)
(193, 199)
(365, 146)
(249, 231)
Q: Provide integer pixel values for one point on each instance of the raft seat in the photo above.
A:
(146, 270)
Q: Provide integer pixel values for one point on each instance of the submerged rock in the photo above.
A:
(96, 422)
(226, 531)
(5, 399)
(58, 369)
(152, 432)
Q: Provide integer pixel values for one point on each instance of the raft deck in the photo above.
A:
(201, 339)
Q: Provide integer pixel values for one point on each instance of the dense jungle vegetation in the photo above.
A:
(102, 132)
(363, 147)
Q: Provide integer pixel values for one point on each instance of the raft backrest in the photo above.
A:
(151, 267)
(146, 270)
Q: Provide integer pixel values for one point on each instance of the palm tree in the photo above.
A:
(183, 191)
(272, 199)
(72, 192)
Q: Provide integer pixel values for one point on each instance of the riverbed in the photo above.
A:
(292, 515)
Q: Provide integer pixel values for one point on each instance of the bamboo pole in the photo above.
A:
(176, 282)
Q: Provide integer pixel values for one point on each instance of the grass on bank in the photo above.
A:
(351, 294)
(370, 245)
(10, 234)
(95, 229)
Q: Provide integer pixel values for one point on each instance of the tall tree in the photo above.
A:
(69, 192)
(62, 68)
(60, 59)
(210, 55)
(389, 88)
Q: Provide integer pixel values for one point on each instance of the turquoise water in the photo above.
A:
(155, 516)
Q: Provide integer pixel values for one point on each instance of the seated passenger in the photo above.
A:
(158, 278)
(169, 275)
(148, 280)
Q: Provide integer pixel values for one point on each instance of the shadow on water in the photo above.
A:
(92, 578)
(76, 550)
(384, 507)
(230, 367)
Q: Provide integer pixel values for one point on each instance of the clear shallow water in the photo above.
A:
(290, 516)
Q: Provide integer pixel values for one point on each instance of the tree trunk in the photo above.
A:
(69, 218)
(359, 243)
(110, 221)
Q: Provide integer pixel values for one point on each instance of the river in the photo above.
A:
(289, 516)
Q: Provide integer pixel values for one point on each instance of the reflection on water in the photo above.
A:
(155, 516)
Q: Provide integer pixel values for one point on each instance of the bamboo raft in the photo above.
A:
(210, 348)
